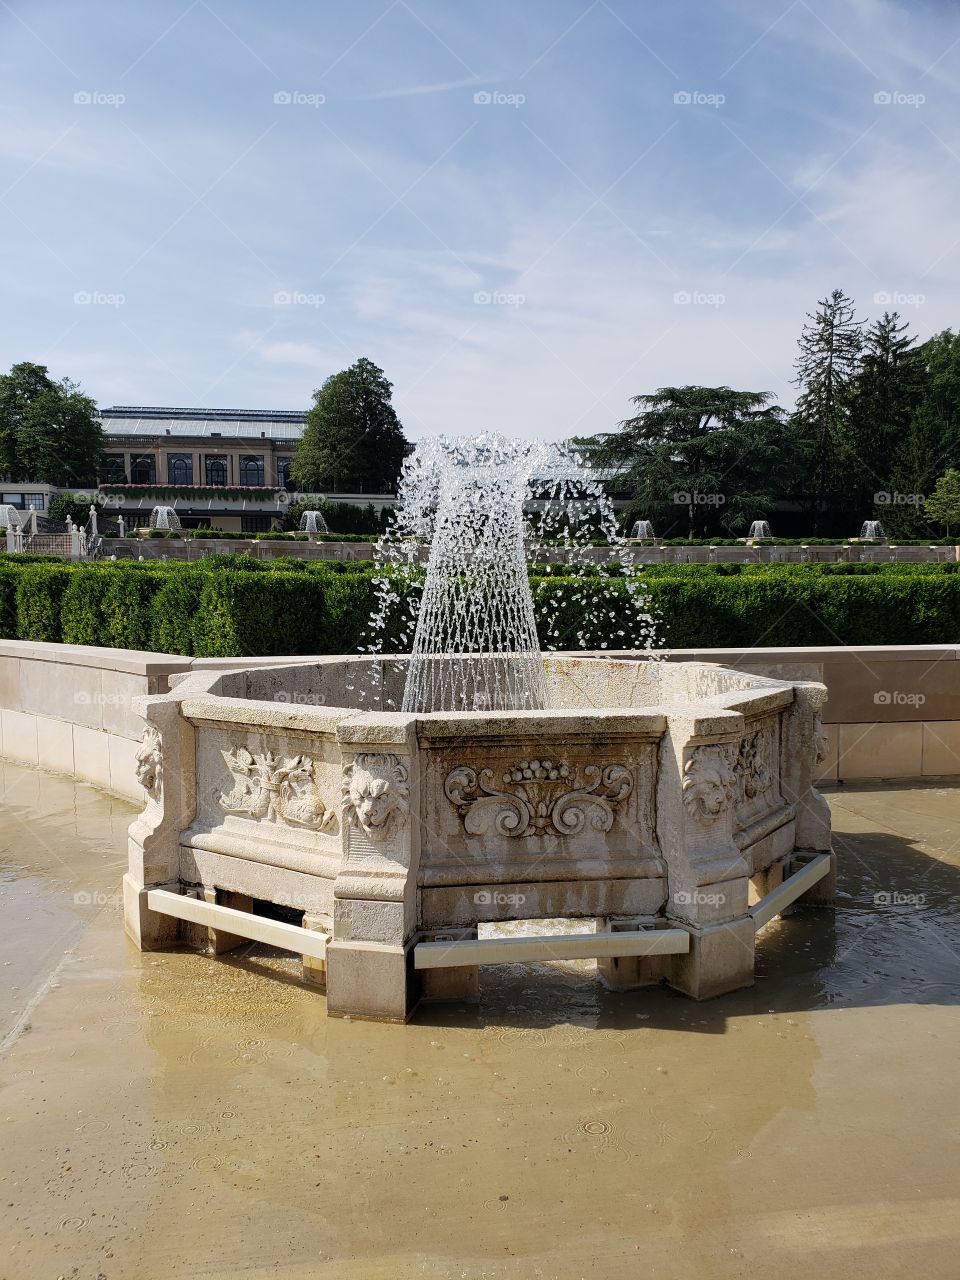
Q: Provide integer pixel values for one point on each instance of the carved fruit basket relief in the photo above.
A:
(538, 797)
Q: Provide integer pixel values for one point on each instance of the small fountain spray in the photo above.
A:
(642, 531)
(165, 518)
(872, 531)
(760, 529)
(313, 522)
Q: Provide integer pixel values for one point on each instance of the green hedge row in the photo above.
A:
(227, 607)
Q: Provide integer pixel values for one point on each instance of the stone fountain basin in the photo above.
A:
(651, 792)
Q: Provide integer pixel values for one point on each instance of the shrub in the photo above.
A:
(174, 609)
(8, 601)
(81, 610)
(245, 614)
(39, 593)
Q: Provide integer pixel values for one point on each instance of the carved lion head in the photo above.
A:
(376, 795)
(708, 784)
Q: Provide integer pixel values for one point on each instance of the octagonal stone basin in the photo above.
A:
(653, 795)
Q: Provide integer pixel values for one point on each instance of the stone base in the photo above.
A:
(150, 930)
(824, 892)
(218, 941)
(720, 959)
(764, 882)
(461, 983)
(626, 973)
(314, 969)
(370, 980)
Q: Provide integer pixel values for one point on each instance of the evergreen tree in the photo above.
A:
(720, 446)
(932, 440)
(827, 364)
(353, 440)
(886, 394)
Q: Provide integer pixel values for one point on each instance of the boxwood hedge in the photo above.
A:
(235, 606)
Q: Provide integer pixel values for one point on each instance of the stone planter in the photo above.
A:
(654, 795)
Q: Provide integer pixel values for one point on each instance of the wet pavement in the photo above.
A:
(170, 1115)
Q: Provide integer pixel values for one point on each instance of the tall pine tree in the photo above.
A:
(827, 364)
(886, 394)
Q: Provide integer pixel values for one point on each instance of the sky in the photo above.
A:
(526, 213)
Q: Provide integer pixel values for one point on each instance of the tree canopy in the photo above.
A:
(352, 441)
(49, 431)
(698, 456)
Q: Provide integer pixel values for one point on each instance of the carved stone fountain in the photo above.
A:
(653, 796)
(671, 805)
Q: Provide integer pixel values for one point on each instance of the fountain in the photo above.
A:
(313, 522)
(10, 518)
(872, 531)
(458, 773)
(642, 531)
(165, 518)
(759, 529)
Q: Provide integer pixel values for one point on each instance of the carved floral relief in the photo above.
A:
(538, 797)
(274, 788)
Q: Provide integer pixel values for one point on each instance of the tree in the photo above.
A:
(827, 364)
(49, 431)
(931, 441)
(943, 505)
(353, 440)
(885, 396)
(710, 453)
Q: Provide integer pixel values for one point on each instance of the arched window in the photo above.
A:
(143, 468)
(179, 468)
(251, 468)
(216, 468)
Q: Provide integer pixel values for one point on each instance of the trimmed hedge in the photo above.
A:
(232, 606)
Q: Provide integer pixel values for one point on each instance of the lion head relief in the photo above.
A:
(708, 784)
(376, 797)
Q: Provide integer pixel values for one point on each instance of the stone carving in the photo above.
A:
(149, 762)
(538, 797)
(821, 743)
(274, 788)
(709, 784)
(752, 766)
(376, 797)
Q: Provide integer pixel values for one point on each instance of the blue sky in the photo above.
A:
(221, 204)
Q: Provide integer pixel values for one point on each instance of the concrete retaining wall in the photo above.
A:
(892, 712)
